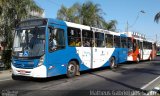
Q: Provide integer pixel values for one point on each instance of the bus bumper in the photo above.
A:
(38, 72)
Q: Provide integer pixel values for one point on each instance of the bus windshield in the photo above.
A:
(29, 42)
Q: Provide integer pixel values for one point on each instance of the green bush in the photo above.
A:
(6, 58)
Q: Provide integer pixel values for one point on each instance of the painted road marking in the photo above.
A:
(145, 86)
(152, 92)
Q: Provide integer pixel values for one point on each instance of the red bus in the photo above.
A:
(140, 48)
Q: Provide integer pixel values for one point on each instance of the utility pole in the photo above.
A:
(127, 26)
(156, 38)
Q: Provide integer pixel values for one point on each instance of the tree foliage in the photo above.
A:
(111, 25)
(71, 14)
(87, 13)
(157, 17)
(11, 12)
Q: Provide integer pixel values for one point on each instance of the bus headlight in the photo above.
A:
(41, 61)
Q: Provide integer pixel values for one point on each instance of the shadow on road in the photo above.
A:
(24, 78)
(137, 70)
(121, 83)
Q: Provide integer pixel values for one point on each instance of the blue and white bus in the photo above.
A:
(49, 47)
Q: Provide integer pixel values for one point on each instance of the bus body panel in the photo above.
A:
(101, 57)
(133, 55)
(58, 62)
(123, 53)
(55, 65)
(38, 72)
(146, 54)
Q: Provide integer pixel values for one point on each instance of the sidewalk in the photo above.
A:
(5, 74)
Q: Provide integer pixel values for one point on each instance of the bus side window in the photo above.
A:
(123, 42)
(74, 37)
(134, 45)
(130, 43)
(116, 41)
(88, 40)
(145, 45)
(141, 45)
(138, 43)
(99, 39)
(109, 40)
(56, 39)
(150, 45)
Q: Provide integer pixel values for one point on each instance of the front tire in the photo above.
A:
(71, 69)
(14, 77)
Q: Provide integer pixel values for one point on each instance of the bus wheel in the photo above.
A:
(14, 77)
(112, 63)
(71, 69)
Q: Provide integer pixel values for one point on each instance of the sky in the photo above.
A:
(122, 11)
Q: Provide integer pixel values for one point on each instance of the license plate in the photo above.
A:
(22, 72)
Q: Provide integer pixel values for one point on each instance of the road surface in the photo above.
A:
(130, 77)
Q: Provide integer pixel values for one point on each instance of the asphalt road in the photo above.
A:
(130, 77)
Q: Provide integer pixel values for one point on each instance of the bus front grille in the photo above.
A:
(25, 66)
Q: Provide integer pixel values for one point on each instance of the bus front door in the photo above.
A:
(56, 50)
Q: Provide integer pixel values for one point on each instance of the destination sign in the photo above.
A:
(29, 23)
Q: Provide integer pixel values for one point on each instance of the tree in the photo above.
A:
(12, 11)
(157, 17)
(69, 14)
(0, 10)
(87, 13)
(92, 14)
(1, 7)
(111, 25)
